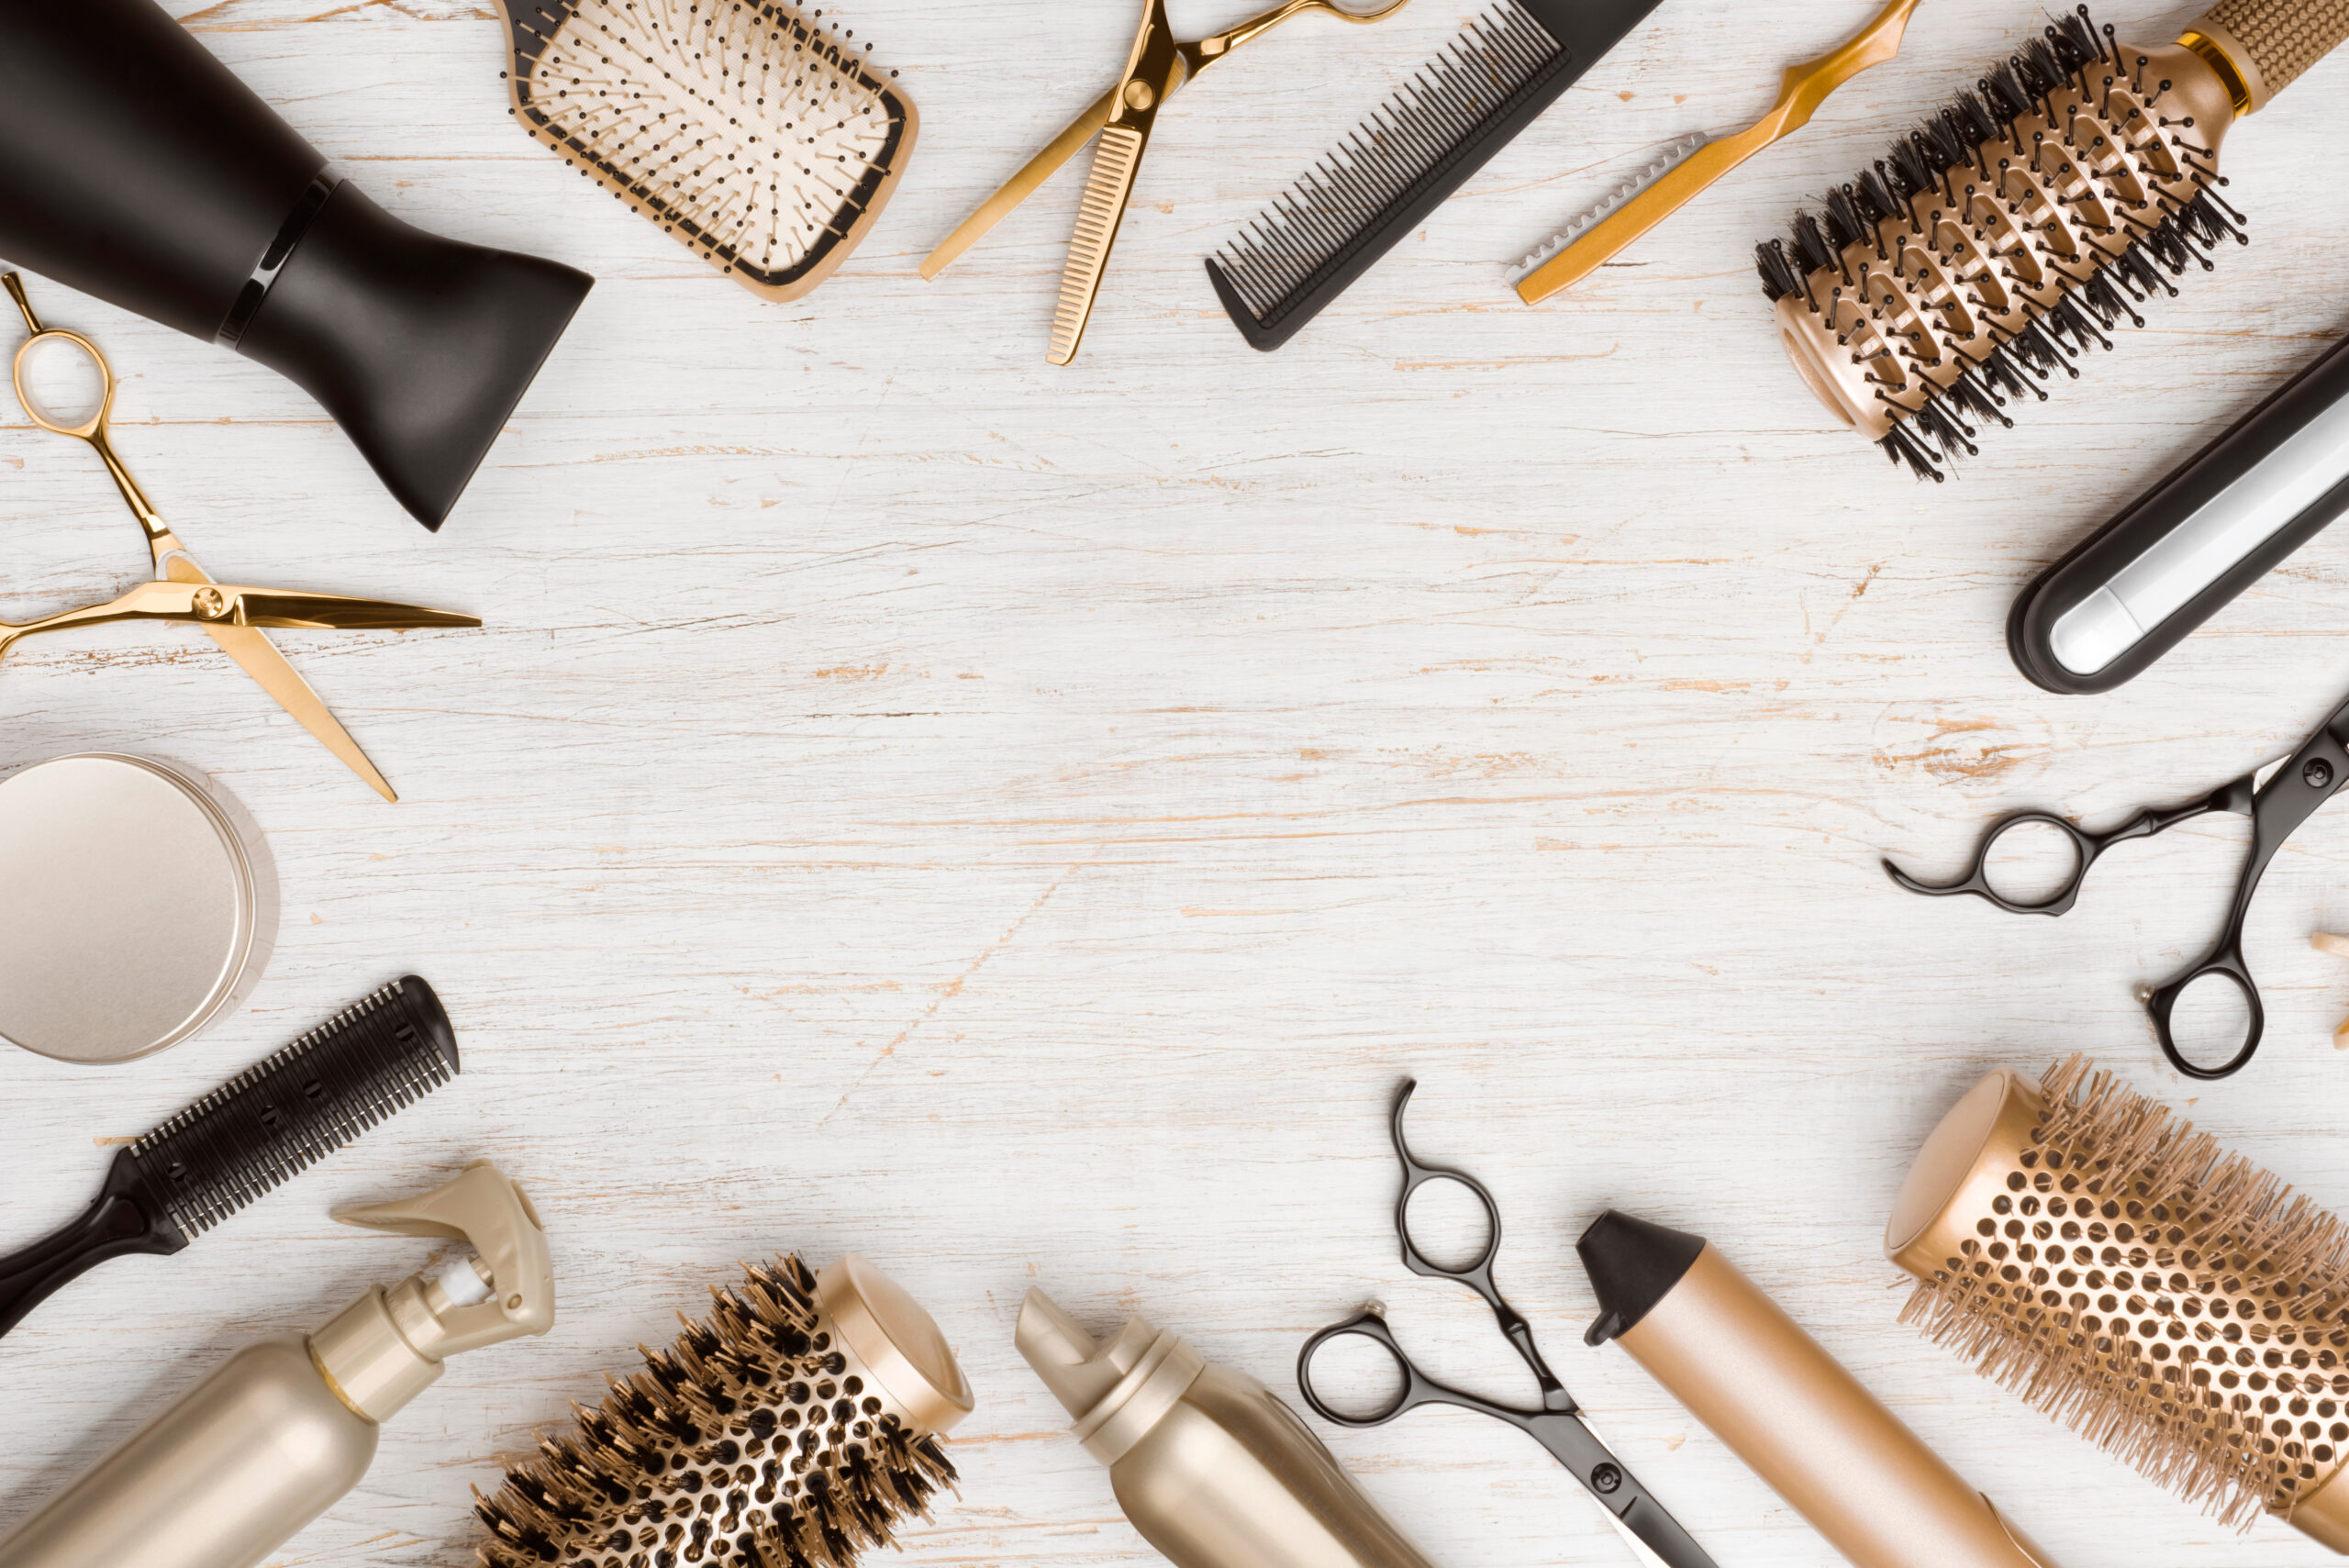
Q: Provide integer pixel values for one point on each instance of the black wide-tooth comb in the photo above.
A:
(266, 1124)
(1309, 246)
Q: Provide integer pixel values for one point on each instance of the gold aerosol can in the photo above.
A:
(1211, 1466)
(280, 1431)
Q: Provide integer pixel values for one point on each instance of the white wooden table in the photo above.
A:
(1021, 823)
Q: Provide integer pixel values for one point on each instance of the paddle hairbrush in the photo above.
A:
(761, 140)
(266, 1124)
(1995, 242)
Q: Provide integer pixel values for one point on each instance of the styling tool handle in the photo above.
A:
(2261, 47)
(114, 1225)
(1801, 91)
(2180, 553)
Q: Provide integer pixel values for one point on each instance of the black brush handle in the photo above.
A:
(116, 1223)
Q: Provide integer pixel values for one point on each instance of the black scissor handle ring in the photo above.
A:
(1367, 1324)
(2227, 960)
(2086, 847)
(1417, 1174)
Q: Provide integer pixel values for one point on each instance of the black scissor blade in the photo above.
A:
(1647, 1525)
(1661, 1534)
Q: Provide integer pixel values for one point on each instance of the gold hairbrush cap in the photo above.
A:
(899, 1343)
(2173, 1302)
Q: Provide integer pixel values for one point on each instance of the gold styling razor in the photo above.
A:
(1159, 67)
(1695, 162)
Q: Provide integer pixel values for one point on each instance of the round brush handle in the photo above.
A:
(2277, 39)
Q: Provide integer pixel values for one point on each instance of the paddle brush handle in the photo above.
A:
(114, 1225)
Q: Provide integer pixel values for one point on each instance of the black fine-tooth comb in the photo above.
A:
(266, 1124)
(1350, 209)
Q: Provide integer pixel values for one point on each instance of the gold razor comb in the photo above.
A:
(1693, 163)
(757, 137)
(1998, 241)
(2172, 1302)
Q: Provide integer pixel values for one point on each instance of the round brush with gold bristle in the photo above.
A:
(2172, 1302)
(792, 1427)
(2003, 237)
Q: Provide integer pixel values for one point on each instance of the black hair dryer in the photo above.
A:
(136, 167)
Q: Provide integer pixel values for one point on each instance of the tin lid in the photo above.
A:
(136, 913)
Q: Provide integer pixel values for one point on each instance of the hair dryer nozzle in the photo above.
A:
(418, 346)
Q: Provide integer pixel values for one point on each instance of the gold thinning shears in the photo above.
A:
(1160, 66)
(183, 591)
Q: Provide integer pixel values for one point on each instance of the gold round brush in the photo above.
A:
(792, 1427)
(1996, 241)
(2174, 1303)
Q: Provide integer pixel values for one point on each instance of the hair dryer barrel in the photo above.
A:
(136, 167)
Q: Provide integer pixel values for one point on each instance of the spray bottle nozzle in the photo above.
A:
(386, 1346)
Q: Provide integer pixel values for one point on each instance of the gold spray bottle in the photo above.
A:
(287, 1425)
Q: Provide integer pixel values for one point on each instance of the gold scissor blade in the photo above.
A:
(1022, 185)
(258, 658)
(1115, 163)
(297, 611)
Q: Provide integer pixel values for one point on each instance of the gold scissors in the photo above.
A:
(183, 591)
(1159, 67)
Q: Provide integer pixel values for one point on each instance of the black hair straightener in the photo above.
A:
(2175, 556)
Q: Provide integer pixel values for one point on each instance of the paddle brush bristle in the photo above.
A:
(2002, 238)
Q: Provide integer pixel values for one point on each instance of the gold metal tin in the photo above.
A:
(140, 906)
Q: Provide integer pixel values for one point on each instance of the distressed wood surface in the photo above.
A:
(1021, 823)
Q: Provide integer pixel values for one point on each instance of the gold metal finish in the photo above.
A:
(239, 637)
(2230, 75)
(765, 1414)
(1928, 296)
(269, 1439)
(1806, 1426)
(2171, 1301)
(1159, 66)
(1803, 89)
(202, 604)
(1211, 1466)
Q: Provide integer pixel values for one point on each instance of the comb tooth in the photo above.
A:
(274, 1119)
(1099, 212)
(1343, 199)
(1670, 158)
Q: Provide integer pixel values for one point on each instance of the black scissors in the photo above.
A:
(1557, 1426)
(2278, 798)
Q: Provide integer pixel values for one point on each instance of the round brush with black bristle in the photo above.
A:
(793, 1426)
(1996, 242)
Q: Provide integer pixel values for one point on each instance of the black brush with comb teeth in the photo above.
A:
(1349, 208)
(270, 1122)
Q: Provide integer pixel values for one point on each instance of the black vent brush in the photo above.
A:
(268, 1123)
(1309, 246)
